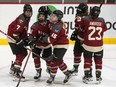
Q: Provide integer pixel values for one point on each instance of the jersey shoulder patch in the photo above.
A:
(57, 27)
(21, 19)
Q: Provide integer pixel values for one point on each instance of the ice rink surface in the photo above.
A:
(108, 74)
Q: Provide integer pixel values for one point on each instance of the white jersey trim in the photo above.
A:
(44, 47)
(92, 48)
(61, 46)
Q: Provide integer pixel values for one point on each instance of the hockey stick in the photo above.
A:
(15, 41)
(102, 3)
(23, 46)
(24, 69)
(7, 36)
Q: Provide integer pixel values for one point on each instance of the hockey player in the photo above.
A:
(94, 28)
(38, 29)
(58, 39)
(17, 30)
(78, 35)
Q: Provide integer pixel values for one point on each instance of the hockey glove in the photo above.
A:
(31, 41)
(26, 42)
(43, 39)
(19, 41)
(73, 36)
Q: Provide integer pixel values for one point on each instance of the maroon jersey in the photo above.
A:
(58, 34)
(19, 27)
(37, 30)
(80, 33)
(93, 31)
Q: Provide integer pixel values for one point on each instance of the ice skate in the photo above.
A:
(17, 76)
(98, 80)
(87, 80)
(38, 74)
(91, 73)
(48, 70)
(98, 77)
(88, 77)
(12, 68)
(50, 80)
(68, 75)
(74, 71)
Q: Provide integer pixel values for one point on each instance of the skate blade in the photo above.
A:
(98, 82)
(88, 82)
(36, 80)
(48, 84)
(11, 72)
(75, 74)
(68, 81)
(92, 82)
(17, 79)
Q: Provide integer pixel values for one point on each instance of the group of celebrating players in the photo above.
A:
(48, 37)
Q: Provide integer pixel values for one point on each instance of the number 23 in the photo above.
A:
(94, 29)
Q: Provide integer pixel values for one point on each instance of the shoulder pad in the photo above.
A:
(34, 25)
(21, 19)
(86, 17)
(101, 19)
(57, 27)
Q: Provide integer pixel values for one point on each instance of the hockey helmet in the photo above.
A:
(59, 14)
(43, 10)
(82, 8)
(27, 7)
(95, 11)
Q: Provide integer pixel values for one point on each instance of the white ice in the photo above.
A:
(108, 74)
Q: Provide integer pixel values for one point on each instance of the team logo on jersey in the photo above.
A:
(20, 21)
(56, 30)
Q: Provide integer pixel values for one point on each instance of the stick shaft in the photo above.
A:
(23, 69)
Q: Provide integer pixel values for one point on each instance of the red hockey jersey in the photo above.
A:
(80, 33)
(37, 30)
(93, 32)
(19, 27)
(58, 36)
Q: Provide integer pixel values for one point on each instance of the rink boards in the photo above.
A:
(107, 12)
